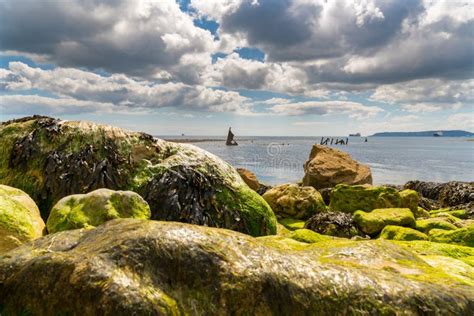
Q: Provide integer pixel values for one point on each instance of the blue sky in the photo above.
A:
(281, 67)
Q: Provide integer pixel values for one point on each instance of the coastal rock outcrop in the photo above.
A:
(50, 159)
(95, 208)
(130, 266)
(327, 167)
(351, 198)
(20, 219)
(292, 200)
(454, 194)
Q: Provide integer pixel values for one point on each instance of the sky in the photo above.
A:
(264, 67)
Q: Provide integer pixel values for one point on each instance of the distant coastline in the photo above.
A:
(445, 133)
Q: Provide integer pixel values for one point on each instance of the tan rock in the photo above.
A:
(327, 167)
(249, 177)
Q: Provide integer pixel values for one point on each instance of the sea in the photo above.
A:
(393, 160)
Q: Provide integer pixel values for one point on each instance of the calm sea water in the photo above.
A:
(393, 160)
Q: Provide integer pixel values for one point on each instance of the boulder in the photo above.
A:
(461, 236)
(402, 233)
(373, 222)
(95, 208)
(20, 219)
(410, 200)
(292, 200)
(327, 167)
(138, 267)
(425, 225)
(50, 159)
(308, 236)
(348, 199)
(249, 178)
(337, 224)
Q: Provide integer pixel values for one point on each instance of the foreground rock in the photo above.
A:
(20, 219)
(294, 201)
(327, 167)
(95, 208)
(51, 159)
(135, 267)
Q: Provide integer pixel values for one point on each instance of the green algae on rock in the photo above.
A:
(373, 222)
(50, 159)
(425, 225)
(308, 236)
(130, 266)
(20, 219)
(402, 233)
(291, 223)
(95, 208)
(461, 236)
(337, 224)
(348, 199)
(294, 201)
(410, 200)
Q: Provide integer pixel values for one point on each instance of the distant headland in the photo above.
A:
(443, 133)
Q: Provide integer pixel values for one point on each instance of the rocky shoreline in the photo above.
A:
(98, 220)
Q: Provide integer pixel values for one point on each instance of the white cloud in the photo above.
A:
(120, 90)
(464, 121)
(353, 109)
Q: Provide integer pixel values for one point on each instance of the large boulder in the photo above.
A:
(427, 224)
(20, 219)
(50, 159)
(294, 201)
(351, 198)
(402, 233)
(135, 267)
(327, 167)
(373, 222)
(95, 208)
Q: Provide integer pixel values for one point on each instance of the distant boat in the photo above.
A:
(356, 134)
(230, 139)
(438, 134)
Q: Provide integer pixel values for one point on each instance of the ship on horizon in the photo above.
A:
(356, 134)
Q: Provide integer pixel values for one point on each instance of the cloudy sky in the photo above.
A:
(264, 67)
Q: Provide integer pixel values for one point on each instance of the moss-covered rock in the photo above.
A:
(425, 225)
(421, 213)
(50, 159)
(461, 214)
(95, 208)
(461, 236)
(346, 198)
(410, 200)
(402, 233)
(291, 223)
(337, 224)
(20, 219)
(294, 201)
(373, 222)
(308, 236)
(427, 248)
(130, 266)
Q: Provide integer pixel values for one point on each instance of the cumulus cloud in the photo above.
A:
(353, 109)
(138, 37)
(120, 90)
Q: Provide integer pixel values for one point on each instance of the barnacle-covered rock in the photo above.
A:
(50, 159)
(337, 224)
(139, 267)
(20, 219)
